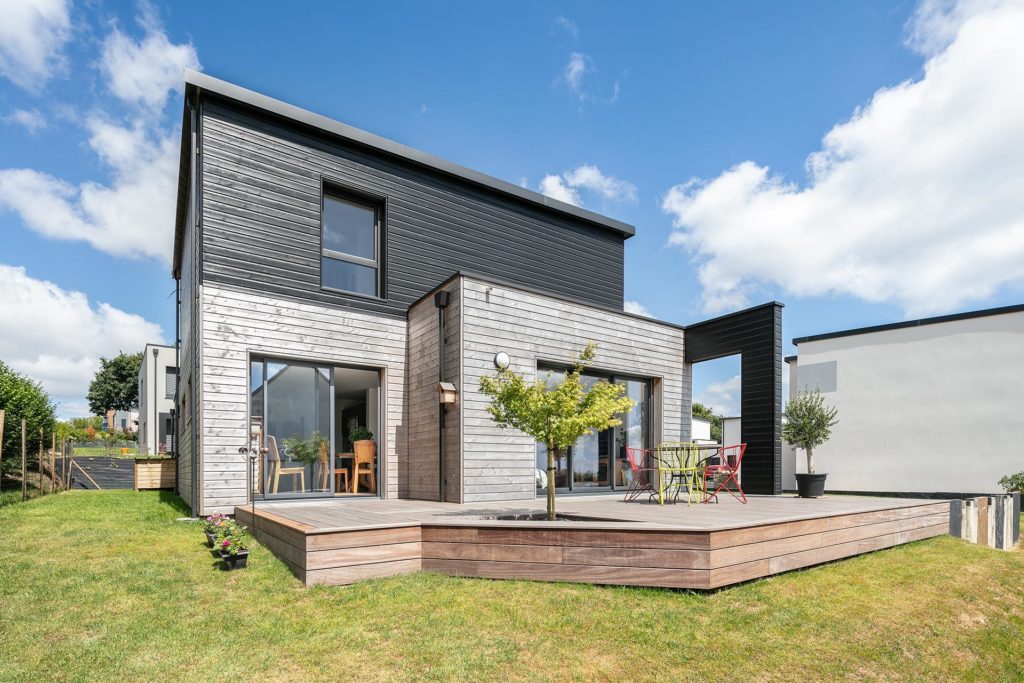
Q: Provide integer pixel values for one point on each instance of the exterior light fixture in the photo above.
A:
(501, 360)
(446, 392)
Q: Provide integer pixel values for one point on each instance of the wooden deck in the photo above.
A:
(609, 542)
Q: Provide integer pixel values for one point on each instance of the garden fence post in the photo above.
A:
(39, 481)
(2, 414)
(63, 463)
(24, 480)
(53, 464)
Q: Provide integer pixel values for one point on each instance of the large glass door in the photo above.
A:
(599, 460)
(318, 425)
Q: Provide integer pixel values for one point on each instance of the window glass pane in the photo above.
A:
(298, 418)
(350, 277)
(349, 227)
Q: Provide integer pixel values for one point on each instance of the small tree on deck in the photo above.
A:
(809, 423)
(555, 416)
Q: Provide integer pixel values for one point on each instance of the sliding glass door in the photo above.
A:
(308, 418)
(599, 460)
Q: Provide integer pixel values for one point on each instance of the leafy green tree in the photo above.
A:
(23, 398)
(701, 410)
(809, 423)
(555, 416)
(1013, 482)
(116, 384)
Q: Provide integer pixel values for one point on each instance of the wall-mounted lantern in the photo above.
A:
(446, 392)
(501, 360)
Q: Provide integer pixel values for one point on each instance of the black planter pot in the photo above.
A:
(210, 538)
(235, 561)
(810, 485)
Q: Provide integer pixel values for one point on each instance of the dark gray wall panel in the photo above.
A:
(261, 182)
(756, 334)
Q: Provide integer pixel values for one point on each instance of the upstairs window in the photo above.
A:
(350, 244)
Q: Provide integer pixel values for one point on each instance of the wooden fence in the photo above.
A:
(987, 520)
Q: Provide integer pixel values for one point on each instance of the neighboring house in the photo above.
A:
(700, 429)
(121, 420)
(329, 280)
(157, 385)
(925, 406)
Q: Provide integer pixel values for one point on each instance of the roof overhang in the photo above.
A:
(197, 83)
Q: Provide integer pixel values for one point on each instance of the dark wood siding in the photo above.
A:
(261, 210)
(756, 334)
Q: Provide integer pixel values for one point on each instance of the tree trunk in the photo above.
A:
(552, 452)
(810, 461)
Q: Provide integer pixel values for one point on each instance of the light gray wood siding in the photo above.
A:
(499, 464)
(188, 293)
(421, 461)
(261, 209)
(239, 324)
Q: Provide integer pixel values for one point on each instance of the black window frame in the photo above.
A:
(370, 200)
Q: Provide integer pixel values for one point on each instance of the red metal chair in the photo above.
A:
(644, 477)
(724, 475)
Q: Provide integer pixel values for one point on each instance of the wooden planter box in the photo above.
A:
(155, 473)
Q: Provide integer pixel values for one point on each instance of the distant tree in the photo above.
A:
(116, 384)
(23, 398)
(809, 423)
(701, 410)
(555, 416)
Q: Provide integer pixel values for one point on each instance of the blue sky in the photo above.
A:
(700, 123)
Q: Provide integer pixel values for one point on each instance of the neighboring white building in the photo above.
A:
(122, 420)
(925, 406)
(157, 383)
(700, 429)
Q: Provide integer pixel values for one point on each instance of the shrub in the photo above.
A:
(360, 433)
(1013, 482)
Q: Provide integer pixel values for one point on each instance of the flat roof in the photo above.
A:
(196, 82)
(953, 317)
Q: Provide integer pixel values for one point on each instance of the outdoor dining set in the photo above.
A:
(701, 471)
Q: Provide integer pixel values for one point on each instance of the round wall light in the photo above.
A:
(501, 360)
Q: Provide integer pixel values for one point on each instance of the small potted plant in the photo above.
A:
(213, 526)
(809, 423)
(233, 547)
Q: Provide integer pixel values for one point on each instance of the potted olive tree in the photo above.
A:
(555, 416)
(809, 424)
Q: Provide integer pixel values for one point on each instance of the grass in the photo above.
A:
(103, 452)
(108, 586)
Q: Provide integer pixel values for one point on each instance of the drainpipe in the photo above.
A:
(440, 302)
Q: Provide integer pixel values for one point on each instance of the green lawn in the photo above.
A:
(108, 586)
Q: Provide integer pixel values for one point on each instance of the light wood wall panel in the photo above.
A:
(499, 464)
(239, 324)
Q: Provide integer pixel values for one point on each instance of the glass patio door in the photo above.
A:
(295, 402)
(599, 460)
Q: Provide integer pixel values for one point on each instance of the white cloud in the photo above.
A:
(567, 25)
(32, 37)
(637, 308)
(30, 119)
(144, 72)
(722, 397)
(565, 187)
(132, 215)
(577, 77)
(58, 336)
(914, 200)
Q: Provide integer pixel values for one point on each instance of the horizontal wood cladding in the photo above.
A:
(239, 324)
(261, 211)
(696, 559)
(755, 334)
(499, 464)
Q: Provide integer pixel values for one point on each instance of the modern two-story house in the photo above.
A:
(331, 281)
